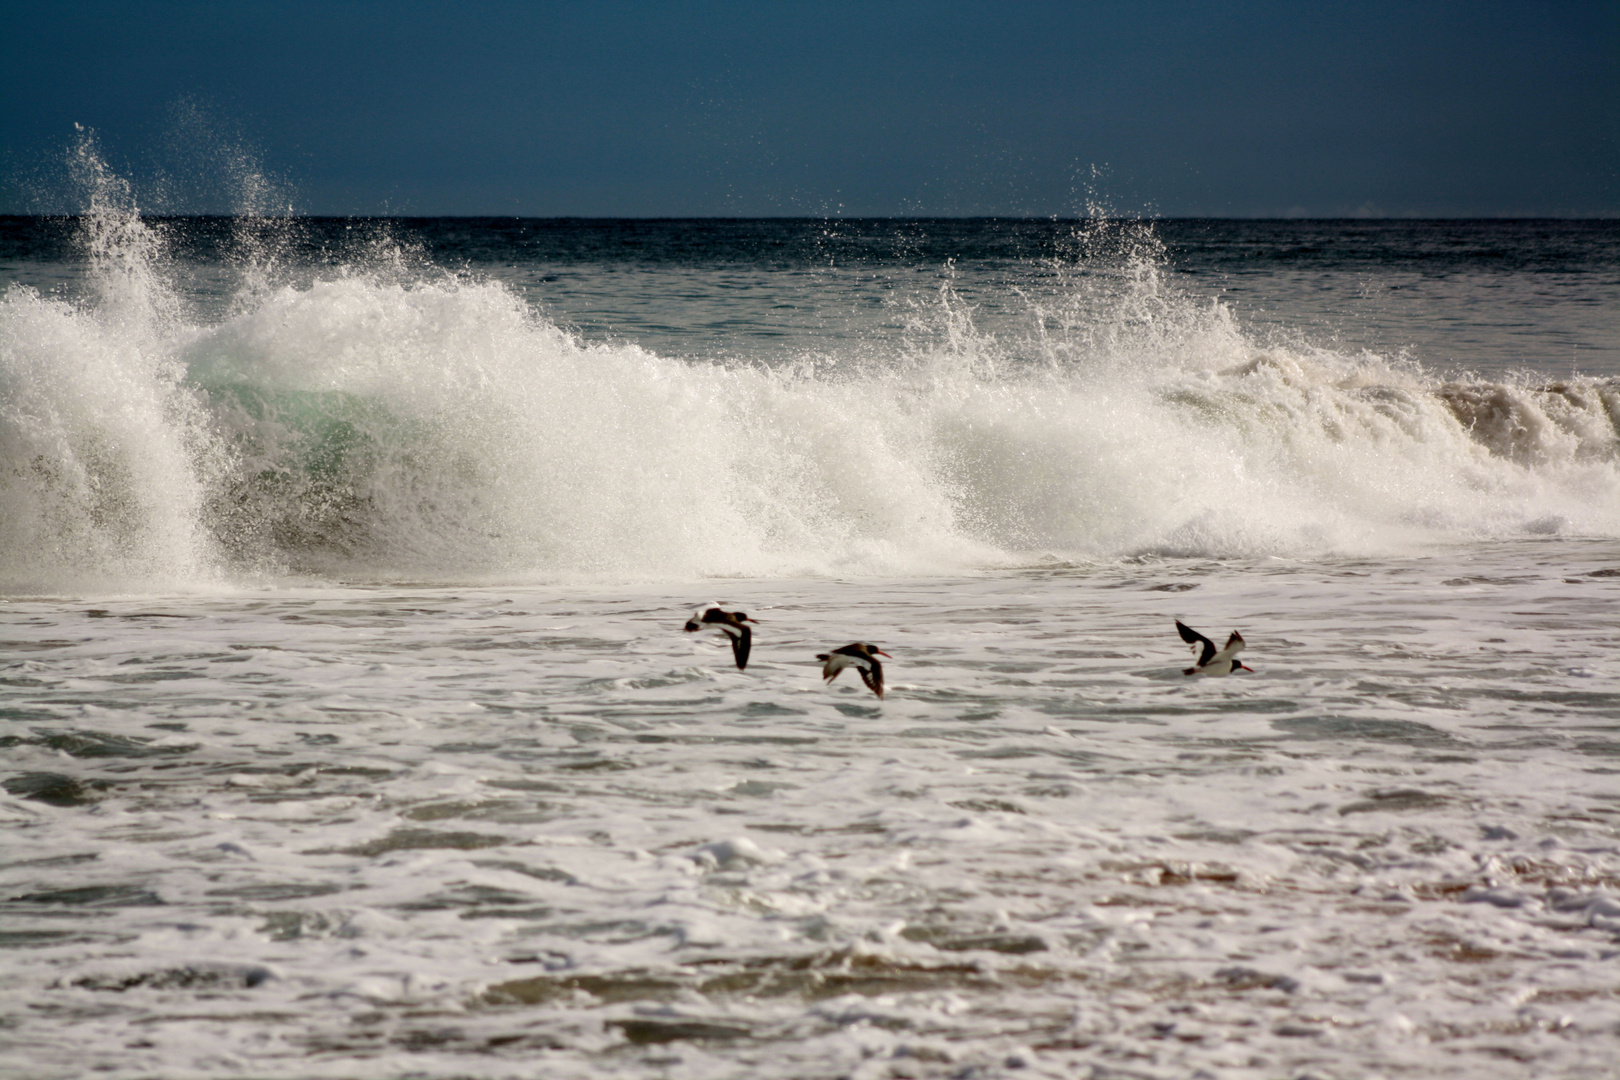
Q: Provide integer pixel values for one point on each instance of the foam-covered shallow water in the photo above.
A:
(488, 831)
(350, 730)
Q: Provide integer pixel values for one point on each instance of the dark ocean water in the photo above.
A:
(1484, 296)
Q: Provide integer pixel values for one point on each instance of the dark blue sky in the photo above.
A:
(914, 107)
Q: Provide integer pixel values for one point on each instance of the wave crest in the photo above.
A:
(373, 426)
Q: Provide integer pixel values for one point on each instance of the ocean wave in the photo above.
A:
(378, 425)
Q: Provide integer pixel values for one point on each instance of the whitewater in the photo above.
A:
(350, 730)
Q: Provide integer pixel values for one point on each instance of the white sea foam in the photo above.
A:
(371, 425)
(459, 831)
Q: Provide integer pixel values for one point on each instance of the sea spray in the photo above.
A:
(370, 416)
(443, 425)
(105, 455)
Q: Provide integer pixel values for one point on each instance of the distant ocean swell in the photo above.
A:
(372, 427)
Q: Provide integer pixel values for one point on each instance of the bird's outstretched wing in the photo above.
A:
(1193, 637)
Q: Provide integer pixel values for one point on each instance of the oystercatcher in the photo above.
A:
(1210, 661)
(861, 657)
(733, 624)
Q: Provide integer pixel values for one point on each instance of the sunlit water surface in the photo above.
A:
(350, 730)
(483, 831)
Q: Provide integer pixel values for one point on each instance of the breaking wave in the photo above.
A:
(371, 425)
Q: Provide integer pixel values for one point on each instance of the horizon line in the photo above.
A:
(1053, 218)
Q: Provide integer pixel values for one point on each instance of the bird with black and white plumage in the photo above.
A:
(733, 624)
(1213, 661)
(860, 656)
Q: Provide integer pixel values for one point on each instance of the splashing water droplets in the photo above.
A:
(371, 416)
(123, 250)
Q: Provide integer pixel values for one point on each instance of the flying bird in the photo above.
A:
(861, 657)
(1210, 660)
(733, 624)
